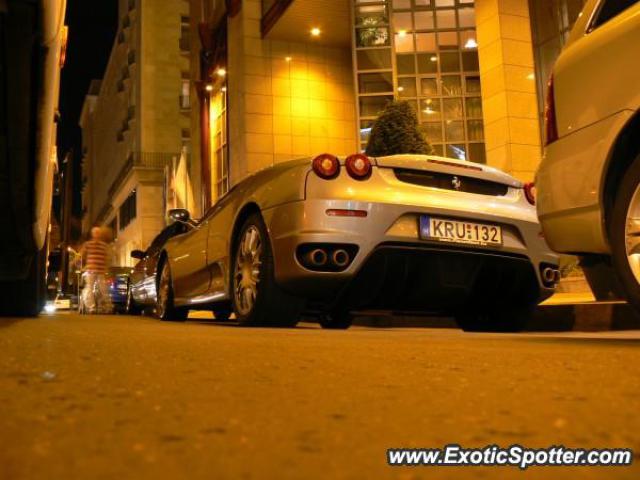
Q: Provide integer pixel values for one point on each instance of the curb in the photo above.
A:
(579, 317)
(586, 317)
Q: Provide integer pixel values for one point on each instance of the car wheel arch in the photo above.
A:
(162, 259)
(624, 151)
(245, 212)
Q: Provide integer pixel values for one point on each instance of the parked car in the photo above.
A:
(330, 236)
(141, 292)
(118, 281)
(588, 182)
(62, 302)
(31, 54)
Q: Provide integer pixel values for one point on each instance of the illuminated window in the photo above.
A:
(185, 92)
(435, 48)
(373, 55)
(218, 141)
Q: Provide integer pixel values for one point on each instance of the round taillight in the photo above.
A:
(358, 166)
(326, 166)
(530, 192)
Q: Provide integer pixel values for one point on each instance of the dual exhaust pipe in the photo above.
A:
(319, 257)
(326, 257)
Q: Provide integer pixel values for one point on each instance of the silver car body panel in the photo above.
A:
(570, 200)
(593, 107)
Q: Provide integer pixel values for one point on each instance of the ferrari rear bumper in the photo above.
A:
(431, 279)
(391, 267)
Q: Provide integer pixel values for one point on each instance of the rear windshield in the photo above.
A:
(610, 9)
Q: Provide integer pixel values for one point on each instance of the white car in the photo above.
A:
(589, 180)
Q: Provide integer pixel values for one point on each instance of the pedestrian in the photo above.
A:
(96, 256)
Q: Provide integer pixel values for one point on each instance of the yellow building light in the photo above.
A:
(221, 72)
(402, 33)
(315, 32)
(471, 43)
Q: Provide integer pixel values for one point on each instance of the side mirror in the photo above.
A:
(180, 215)
(137, 254)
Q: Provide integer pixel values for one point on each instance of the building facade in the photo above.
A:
(136, 123)
(280, 79)
(262, 101)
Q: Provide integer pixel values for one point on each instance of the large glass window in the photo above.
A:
(372, 22)
(374, 62)
(218, 142)
(373, 59)
(128, 210)
(427, 54)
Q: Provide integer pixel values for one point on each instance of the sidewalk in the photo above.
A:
(581, 312)
(564, 312)
(565, 298)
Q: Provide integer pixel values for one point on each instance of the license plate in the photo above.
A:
(455, 231)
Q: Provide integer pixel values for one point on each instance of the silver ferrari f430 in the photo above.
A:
(328, 237)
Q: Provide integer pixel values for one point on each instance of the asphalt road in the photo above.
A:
(98, 397)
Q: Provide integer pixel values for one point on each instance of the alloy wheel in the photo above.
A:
(129, 301)
(632, 234)
(163, 292)
(246, 274)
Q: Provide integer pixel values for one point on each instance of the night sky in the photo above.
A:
(92, 26)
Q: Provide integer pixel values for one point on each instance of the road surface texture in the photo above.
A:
(113, 397)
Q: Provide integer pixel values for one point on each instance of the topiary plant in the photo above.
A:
(397, 131)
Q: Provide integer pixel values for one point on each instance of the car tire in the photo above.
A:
(336, 320)
(502, 320)
(131, 307)
(23, 294)
(222, 315)
(256, 297)
(165, 308)
(26, 298)
(601, 277)
(617, 234)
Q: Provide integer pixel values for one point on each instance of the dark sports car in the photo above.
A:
(142, 280)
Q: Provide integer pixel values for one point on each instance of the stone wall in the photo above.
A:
(137, 112)
(161, 65)
(509, 102)
(286, 100)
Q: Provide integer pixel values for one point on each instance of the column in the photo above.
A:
(512, 128)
